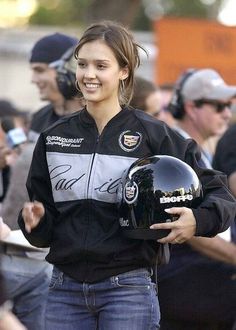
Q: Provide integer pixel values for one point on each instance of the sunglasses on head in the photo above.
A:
(218, 105)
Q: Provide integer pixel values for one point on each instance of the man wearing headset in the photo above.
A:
(26, 272)
(47, 60)
(206, 266)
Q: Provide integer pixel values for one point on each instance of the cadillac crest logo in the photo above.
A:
(130, 192)
(129, 140)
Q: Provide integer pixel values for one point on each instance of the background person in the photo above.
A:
(100, 278)
(225, 161)
(225, 156)
(46, 51)
(8, 321)
(166, 92)
(27, 274)
(146, 96)
(7, 155)
(206, 266)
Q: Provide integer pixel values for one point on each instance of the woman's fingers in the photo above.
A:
(182, 229)
(32, 214)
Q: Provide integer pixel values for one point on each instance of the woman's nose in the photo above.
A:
(90, 72)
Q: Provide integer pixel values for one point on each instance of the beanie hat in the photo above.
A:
(51, 48)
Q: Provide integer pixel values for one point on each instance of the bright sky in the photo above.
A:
(16, 12)
(227, 15)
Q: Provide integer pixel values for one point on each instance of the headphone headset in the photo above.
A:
(176, 105)
(66, 75)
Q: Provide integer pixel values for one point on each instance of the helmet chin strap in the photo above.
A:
(162, 258)
(134, 223)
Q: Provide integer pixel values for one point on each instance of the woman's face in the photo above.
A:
(98, 73)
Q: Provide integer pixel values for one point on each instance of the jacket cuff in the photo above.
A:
(206, 222)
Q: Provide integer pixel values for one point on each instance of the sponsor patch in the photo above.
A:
(63, 141)
(130, 140)
(130, 192)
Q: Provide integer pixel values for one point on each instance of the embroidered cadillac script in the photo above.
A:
(63, 142)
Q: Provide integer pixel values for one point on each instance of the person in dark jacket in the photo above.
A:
(225, 156)
(201, 106)
(225, 160)
(102, 280)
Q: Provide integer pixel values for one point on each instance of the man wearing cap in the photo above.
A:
(196, 289)
(45, 52)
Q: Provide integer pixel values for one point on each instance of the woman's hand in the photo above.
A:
(32, 214)
(182, 229)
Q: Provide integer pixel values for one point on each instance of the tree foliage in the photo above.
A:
(136, 14)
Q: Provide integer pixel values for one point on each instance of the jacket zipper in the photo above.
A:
(89, 178)
(91, 166)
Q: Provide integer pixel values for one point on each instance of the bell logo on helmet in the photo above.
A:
(175, 199)
(130, 192)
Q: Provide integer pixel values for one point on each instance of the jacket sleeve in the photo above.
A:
(218, 208)
(39, 188)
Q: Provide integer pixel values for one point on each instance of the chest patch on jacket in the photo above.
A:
(130, 140)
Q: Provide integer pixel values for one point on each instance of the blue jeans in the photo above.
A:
(124, 302)
(27, 282)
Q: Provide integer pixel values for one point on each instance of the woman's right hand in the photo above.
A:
(32, 213)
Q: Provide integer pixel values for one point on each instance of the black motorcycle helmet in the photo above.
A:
(150, 186)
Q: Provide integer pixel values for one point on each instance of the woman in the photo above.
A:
(101, 280)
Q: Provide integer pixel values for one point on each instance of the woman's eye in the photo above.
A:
(101, 66)
(81, 65)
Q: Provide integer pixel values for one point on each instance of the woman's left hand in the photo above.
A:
(182, 229)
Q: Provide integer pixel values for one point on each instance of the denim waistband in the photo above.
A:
(11, 249)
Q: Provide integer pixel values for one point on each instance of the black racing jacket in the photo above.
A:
(75, 174)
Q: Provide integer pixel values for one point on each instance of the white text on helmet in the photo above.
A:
(174, 199)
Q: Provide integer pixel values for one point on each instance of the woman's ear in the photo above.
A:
(124, 73)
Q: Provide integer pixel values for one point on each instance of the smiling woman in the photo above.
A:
(101, 279)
